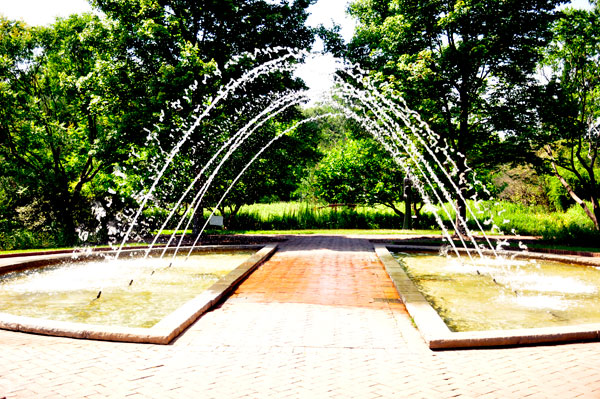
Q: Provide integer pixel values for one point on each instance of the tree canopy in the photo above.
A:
(568, 138)
(58, 131)
(85, 98)
(463, 65)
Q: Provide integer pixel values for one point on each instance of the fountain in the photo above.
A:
(423, 156)
(56, 294)
(521, 298)
(399, 129)
(62, 291)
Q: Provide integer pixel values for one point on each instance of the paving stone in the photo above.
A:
(320, 319)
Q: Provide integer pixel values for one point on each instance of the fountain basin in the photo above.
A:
(163, 331)
(437, 334)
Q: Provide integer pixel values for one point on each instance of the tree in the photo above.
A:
(83, 98)
(168, 45)
(464, 65)
(357, 171)
(171, 44)
(274, 177)
(56, 137)
(569, 136)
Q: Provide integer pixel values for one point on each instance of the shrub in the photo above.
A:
(24, 239)
(297, 216)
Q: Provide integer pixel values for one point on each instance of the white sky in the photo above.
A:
(42, 12)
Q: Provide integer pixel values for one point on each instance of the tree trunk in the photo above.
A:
(461, 215)
(407, 225)
(593, 214)
(596, 209)
(197, 221)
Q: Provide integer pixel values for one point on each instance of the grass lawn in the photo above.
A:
(569, 230)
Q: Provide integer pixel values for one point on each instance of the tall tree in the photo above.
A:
(569, 136)
(462, 64)
(170, 44)
(55, 134)
(79, 98)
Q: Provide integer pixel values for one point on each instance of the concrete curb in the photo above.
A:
(161, 333)
(437, 335)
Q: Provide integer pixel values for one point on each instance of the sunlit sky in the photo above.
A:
(42, 12)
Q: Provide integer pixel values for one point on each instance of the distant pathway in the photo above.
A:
(320, 319)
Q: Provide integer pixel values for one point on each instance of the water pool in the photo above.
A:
(508, 294)
(68, 291)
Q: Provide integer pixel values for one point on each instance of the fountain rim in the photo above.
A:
(438, 336)
(163, 332)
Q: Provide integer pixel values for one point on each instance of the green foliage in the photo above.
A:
(461, 64)
(570, 227)
(55, 136)
(171, 45)
(354, 168)
(275, 176)
(80, 132)
(466, 66)
(297, 216)
(557, 194)
(521, 184)
(356, 171)
(568, 139)
(25, 239)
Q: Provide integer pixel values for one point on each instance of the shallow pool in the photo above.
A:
(135, 292)
(492, 294)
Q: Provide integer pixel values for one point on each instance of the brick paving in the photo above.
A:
(318, 320)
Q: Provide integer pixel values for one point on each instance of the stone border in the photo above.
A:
(161, 333)
(438, 336)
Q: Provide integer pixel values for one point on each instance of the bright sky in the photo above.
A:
(42, 12)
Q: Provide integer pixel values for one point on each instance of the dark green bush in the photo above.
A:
(23, 239)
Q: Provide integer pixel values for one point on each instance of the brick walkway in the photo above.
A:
(319, 320)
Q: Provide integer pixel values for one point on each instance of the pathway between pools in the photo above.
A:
(320, 319)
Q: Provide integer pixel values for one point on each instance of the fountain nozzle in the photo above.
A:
(99, 293)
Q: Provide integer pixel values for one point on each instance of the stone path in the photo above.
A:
(319, 320)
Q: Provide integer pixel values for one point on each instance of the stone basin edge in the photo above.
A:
(437, 335)
(166, 330)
